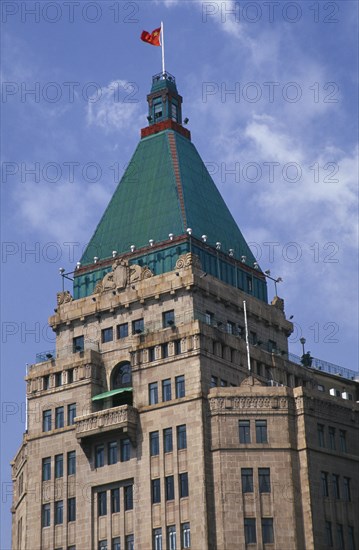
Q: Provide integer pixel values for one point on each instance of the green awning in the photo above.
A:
(110, 393)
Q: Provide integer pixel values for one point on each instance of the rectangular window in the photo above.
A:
(58, 379)
(181, 437)
(351, 540)
(320, 432)
(264, 480)
(253, 337)
(261, 431)
(214, 381)
(116, 543)
(102, 545)
(209, 318)
(168, 318)
(177, 347)
(99, 456)
(70, 376)
(347, 491)
(170, 488)
(183, 485)
(71, 509)
(164, 348)
(324, 483)
(138, 326)
(71, 414)
(45, 515)
(167, 440)
(335, 483)
(174, 112)
(158, 110)
(156, 491)
(171, 537)
(154, 443)
(107, 335)
(78, 344)
(115, 500)
(186, 535)
(329, 534)
(125, 449)
(331, 438)
(128, 494)
(112, 452)
(151, 354)
(59, 512)
(102, 503)
(166, 390)
(250, 534)
(180, 386)
(46, 382)
(223, 383)
(247, 480)
(122, 331)
(71, 463)
(157, 539)
(231, 327)
(59, 417)
(46, 468)
(343, 440)
(272, 346)
(249, 284)
(46, 421)
(267, 531)
(130, 542)
(244, 431)
(59, 466)
(340, 536)
(153, 393)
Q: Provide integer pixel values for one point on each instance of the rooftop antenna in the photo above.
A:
(246, 329)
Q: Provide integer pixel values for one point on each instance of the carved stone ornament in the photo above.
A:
(121, 275)
(64, 297)
(187, 260)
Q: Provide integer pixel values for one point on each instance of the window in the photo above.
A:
(253, 337)
(70, 376)
(158, 109)
(231, 327)
(183, 485)
(99, 456)
(151, 354)
(177, 347)
(102, 545)
(261, 431)
(249, 284)
(320, 432)
(112, 452)
(167, 440)
(125, 449)
(21, 483)
(116, 543)
(46, 382)
(102, 503)
(58, 379)
(180, 387)
(181, 437)
(168, 318)
(130, 542)
(329, 534)
(115, 500)
(71, 463)
(59, 512)
(331, 438)
(71, 414)
(78, 344)
(128, 491)
(45, 516)
(154, 444)
(137, 326)
(107, 335)
(59, 417)
(171, 537)
(72, 547)
(272, 346)
(351, 540)
(157, 539)
(264, 480)
(59, 465)
(156, 491)
(164, 348)
(347, 492)
(340, 536)
(324, 483)
(267, 530)
(121, 376)
(223, 383)
(174, 112)
(186, 535)
(214, 381)
(244, 431)
(153, 393)
(343, 440)
(209, 318)
(46, 421)
(250, 530)
(46, 468)
(122, 331)
(247, 480)
(170, 488)
(71, 509)
(335, 483)
(166, 390)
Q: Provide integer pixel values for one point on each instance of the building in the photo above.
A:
(146, 428)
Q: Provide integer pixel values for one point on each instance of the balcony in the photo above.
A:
(124, 418)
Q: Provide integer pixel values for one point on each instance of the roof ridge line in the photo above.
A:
(177, 174)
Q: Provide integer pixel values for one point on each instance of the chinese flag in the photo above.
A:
(153, 37)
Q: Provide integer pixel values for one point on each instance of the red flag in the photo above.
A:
(153, 37)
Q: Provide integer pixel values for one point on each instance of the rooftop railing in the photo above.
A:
(325, 366)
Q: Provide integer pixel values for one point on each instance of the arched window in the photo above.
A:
(121, 376)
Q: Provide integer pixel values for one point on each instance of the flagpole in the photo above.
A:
(163, 47)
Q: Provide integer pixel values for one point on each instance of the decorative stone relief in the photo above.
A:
(64, 297)
(121, 275)
(187, 260)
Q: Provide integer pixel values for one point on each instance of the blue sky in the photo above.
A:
(282, 148)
